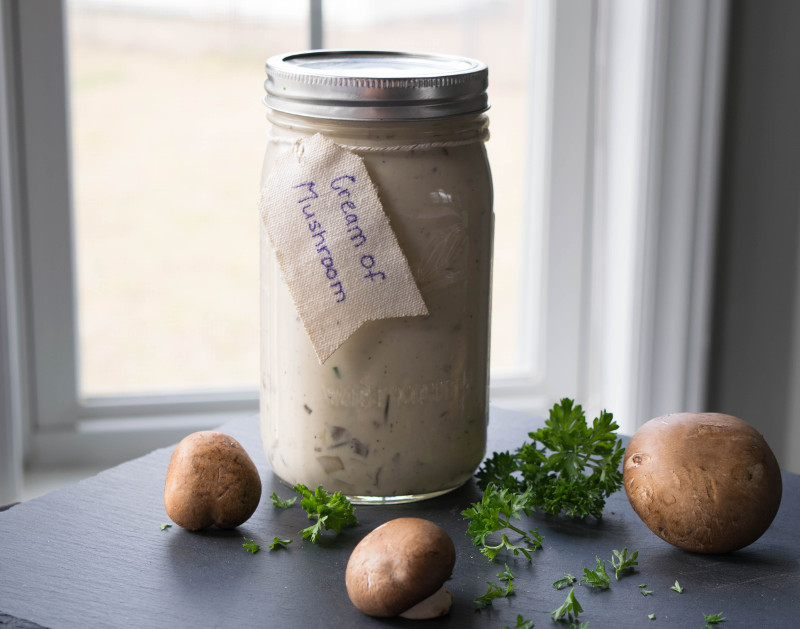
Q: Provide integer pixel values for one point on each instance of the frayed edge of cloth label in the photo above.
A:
(334, 244)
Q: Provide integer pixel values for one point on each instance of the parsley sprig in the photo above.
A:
(494, 514)
(570, 607)
(282, 503)
(598, 577)
(562, 583)
(496, 591)
(713, 619)
(568, 466)
(331, 511)
(621, 561)
(521, 623)
(250, 546)
(277, 543)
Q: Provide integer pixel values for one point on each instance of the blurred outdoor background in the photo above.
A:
(168, 133)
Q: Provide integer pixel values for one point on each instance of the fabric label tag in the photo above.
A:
(334, 244)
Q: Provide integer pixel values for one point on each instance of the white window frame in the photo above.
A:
(652, 326)
(571, 200)
(562, 35)
(626, 138)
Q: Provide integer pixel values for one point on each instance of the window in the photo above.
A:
(167, 134)
(583, 152)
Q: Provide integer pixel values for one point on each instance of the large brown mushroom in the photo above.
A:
(211, 480)
(400, 569)
(704, 482)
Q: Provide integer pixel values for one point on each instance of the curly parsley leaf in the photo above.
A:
(570, 606)
(597, 577)
(677, 588)
(493, 514)
(533, 542)
(502, 470)
(277, 543)
(314, 532)
(250, 546)
(496, 591)
(521, 623)
(562, 583)
(621, 560)
(332, 511)
(713, 619)
(281, 503)
(506, 575)
(568, 467)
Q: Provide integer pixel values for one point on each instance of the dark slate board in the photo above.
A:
(93, 555)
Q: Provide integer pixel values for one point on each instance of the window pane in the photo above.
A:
(493, 31)
(168, 137)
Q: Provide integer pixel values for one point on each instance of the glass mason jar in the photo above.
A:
(399, 411)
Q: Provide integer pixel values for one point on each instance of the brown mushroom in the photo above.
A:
(211, 480)
(400, 569)
(704, 482)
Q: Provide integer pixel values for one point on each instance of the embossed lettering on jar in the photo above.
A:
(399, 411)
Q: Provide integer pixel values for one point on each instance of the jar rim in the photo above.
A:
(375, 85)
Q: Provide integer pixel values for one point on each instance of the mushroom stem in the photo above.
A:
(437, 604)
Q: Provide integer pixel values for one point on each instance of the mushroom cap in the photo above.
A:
(210, 480)
(397, 565)
(704, 482)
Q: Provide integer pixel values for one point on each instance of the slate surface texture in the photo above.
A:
(93, 555)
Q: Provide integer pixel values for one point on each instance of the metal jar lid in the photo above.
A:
(375, 85)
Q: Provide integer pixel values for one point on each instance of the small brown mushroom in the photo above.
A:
(704, 482)
(400, 569)
(211, 480)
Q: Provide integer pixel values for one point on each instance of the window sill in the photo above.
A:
(40, 481)
(61, 457)
(108, 442)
